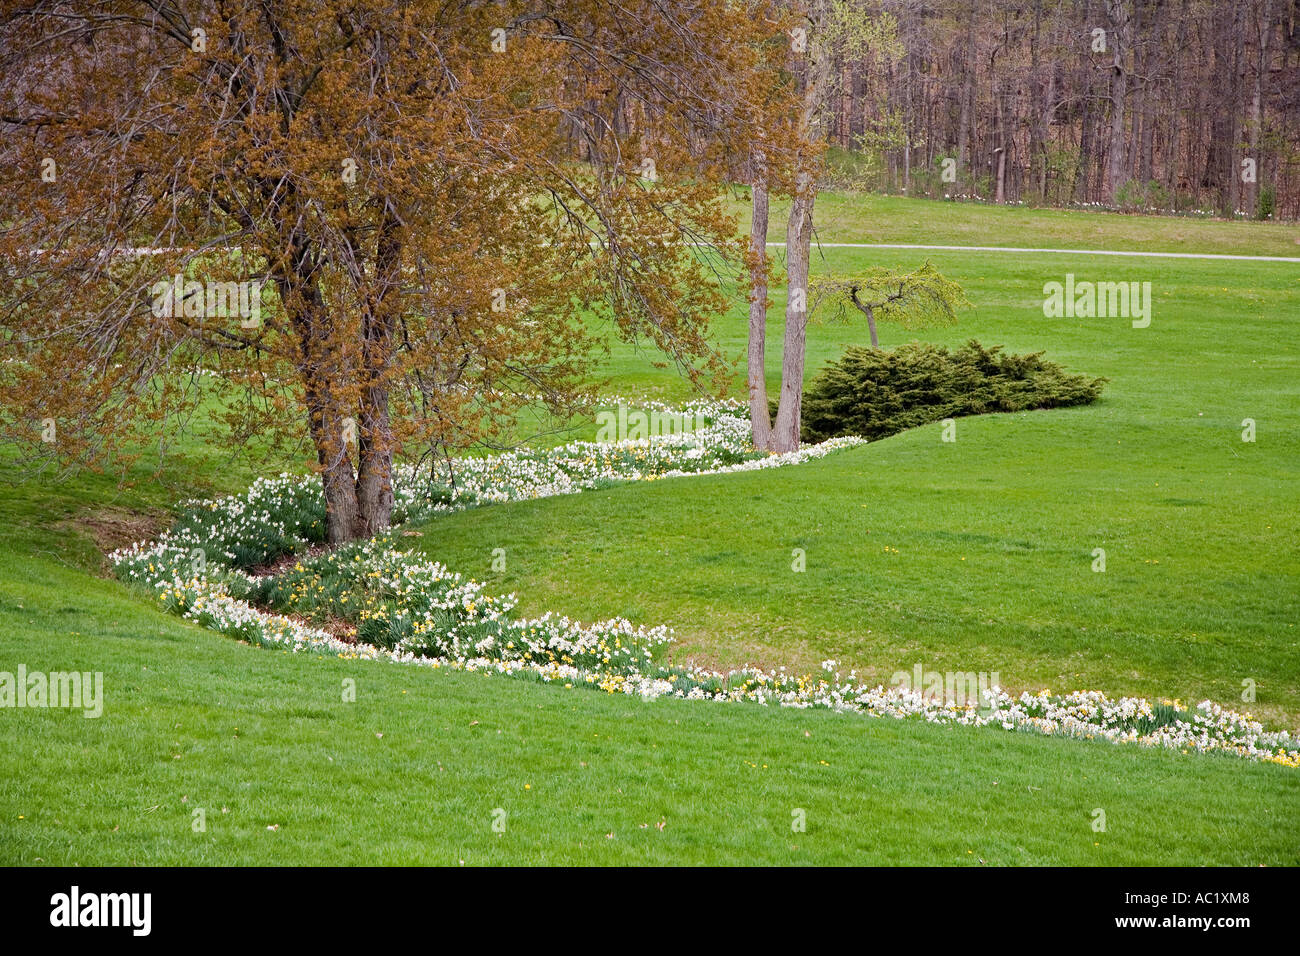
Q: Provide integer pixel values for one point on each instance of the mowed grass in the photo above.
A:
(978, 554)
(414, 770)
(861, 217)
(419, 767)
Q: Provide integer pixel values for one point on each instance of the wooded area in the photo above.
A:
(1136, 103)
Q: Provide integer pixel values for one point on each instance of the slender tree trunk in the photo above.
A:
(798, 243)
(759, 416)
(1079, 190)
(1138, 93)
(1118, 37)
(1045, 121)
(846, 104)
(1173, 153)
(966, 118)
(1238, 109)
(798, 237)
(1264, 26)
(1037, 157)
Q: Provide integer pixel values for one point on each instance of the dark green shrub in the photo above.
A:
(874, 393)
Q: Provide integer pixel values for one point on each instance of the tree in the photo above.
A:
(390, 192)
(913, 300)
(1070, 99)
(825, 27)
(1117, 14)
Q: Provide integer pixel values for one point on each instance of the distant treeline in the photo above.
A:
(1179, 105)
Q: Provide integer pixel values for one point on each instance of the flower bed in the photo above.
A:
(370, 600)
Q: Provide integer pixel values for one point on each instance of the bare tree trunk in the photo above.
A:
(1045, 121)
(798, 238)
(327, 422)
(798, 243)
(1087, 149)
(1000, 182)
(967, 101)
(1037, 132)
(759, 416)
(846, 104)
(1173, 155)
(1264, 34)
(1237, 108)
(1118, 37)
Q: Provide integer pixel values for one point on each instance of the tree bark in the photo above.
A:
(1118, 37)
(798, 236)
(965, 119)
(1264, 28)
(375, 464)
(759, 416)
(798, 243)
(328, 433)
(374, 429)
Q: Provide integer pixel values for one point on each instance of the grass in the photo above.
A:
(413, 770)
(995, 532)
(1199, 594)
(862, 217)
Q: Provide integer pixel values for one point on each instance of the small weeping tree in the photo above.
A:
(914, 300)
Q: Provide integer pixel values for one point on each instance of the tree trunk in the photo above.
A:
(375, 468)
(374, 433)
(1037, 148)
(1118, 37)
(798, 236)
(329, 433)
(759, 416)
(798, 242)
(326, 416)
(1264, 28)
(966, 118)
(1173, 154)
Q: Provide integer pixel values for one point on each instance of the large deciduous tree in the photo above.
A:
(385, 226)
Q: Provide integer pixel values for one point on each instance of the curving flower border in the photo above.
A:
(278, 516)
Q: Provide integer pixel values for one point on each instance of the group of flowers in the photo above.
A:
(722, 443)
(252, 566)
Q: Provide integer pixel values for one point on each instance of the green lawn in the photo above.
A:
(413, 770)
(858, 217)
(995, 532)
(993, 535)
